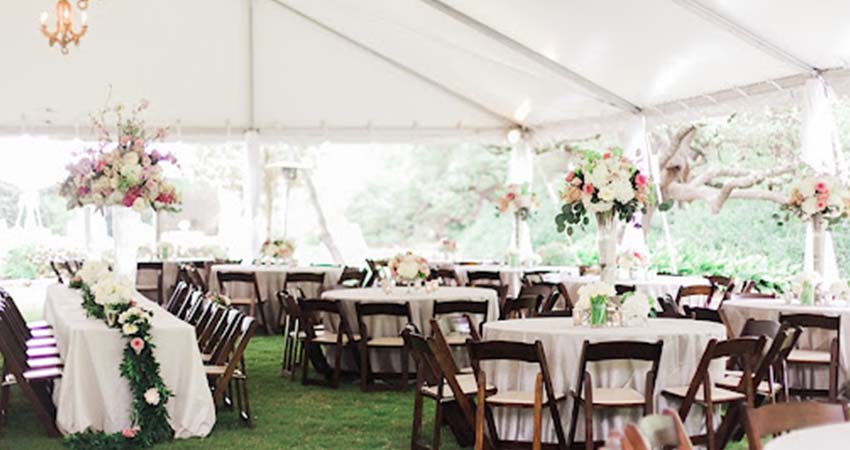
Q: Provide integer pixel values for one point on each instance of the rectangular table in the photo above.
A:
(92, 393)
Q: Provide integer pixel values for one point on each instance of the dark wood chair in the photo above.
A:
(152, 289)
(220, 376)
(532, 277)
(294, 284)
(208, 323)
(522, 307)
(191, 274)
(688, 292)
(464, 310)
(446, 276)
(817, 358)
(178, 296)
(519, 352)
(753, 296)
(703, 314)
(622, 289)
(782, 417)
(769, 378)
(481, 443)
(255, 302)
(756, 327)
(312, 312)
(663, 430)
(60, 271)
(722, 288)
(34, 380)
(703, 390)
(549, 292)
(369, 342)
(483, 278)
(352, 277)
(375, 266)
(590, 397)
(293, 335)
(430, 383)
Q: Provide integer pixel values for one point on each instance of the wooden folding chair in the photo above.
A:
(520, 352)
(687, 292)
(369, 342)
(782, 417)
(254, 302)
(446, 276)
(537, 413)
(221, 375)
(817, 358)
(623, 289)
(351, 277)
(590, 397)
(375, 266)
(152, 290)
(721, 286)
(466, 309)
(522, 307)
(703, 390)
(312, 314)
(178, 296)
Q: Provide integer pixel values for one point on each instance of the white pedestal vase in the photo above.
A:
(819, 244)
(521, 241)
(124, 228)
(606, 240)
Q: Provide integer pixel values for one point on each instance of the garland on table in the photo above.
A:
(107, 297)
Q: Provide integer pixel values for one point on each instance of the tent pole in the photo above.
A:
(602, 93)
(395, 63)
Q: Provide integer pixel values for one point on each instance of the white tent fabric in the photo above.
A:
(349, 70)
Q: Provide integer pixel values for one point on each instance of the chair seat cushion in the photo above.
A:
(42, 351)
(457, 339)
(732, 379)
(617, 397)
(41, 342)
(386, 341)
(242, 301)
(43, 374)
(517, 398)
(718, 395)
(42, 333)
(217, 371)
(147, 287)
(809, 357)
(467, 384)
(36, 324)
(39, 363)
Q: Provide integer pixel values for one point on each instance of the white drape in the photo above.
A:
(636, 149)
(251, 190)
(821, 150)
(520, 171)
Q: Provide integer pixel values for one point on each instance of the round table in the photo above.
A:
(684, 343)
(421, 309)
(270, 280)
(824, 436)
(654, 286)
(738, 311)
(512, 276)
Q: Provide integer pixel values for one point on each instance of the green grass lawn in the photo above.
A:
(287, 415)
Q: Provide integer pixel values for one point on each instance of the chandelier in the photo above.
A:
(63, 33)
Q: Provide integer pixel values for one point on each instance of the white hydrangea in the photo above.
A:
(637, 305)
(112, 289)
(840, 289)
(408, 269)
(590, 291)
(152, 397)
(810, 277)
(92, 271)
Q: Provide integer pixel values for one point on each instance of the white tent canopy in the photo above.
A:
(401, 69)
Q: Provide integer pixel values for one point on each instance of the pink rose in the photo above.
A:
(124, 140)
(165, 198)
(570, 176)
(139, 142)
(640, 180)
(821, 205)
(820, 187)
(99, 166)
(588, 189)
(128, 433)
(606, 155)
(137, 344)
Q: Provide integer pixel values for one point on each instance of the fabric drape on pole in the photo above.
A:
(636, 149)
(520, 171)
(252, 177)
(820, 149)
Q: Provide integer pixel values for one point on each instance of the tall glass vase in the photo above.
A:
(521, 240)
(124, 230)
(818, 244)
(606, 239)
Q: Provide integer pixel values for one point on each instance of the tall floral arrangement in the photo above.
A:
(125, 170)
(282, 249)
(409, 267)
(823, 195)
(603, 183)
(108, 297)
(518, 199)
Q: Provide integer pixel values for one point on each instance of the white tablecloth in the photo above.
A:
(92, 393)
(654, 286)
(738, 311)
(823, 437)
(270, 279)
(684, 343)
(421, 307)
(512, 276)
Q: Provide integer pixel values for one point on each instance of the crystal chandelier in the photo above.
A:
(63, 33)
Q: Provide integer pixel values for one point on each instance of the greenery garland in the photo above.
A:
(140, 368)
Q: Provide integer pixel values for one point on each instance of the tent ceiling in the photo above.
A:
(400, 67)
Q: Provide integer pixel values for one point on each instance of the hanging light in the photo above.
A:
(82, 4)
(64, 33)
(514, 135)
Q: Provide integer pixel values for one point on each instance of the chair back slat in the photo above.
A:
(776, 418)
(812, 321)
(503, 350)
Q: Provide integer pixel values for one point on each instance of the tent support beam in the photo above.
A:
(745, 34)
(602, 93)
(251, 92)
(404, 68)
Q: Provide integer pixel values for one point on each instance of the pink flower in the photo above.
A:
(137, 344)
(510, 196)
(640, 180)
(606, 155)
(83, 190)
(99, 166)
(139, 142)
(131, 197)
(821, 187)
(821, 205)
(588, 189)
(129, 433)
(570, 176)
(124, 140)
(165, 198)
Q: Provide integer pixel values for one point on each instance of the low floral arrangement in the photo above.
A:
(218, 298)
(127, 172)
(636, 307)
(822, 194)
(805, 286)
(519, 200)
(408, 268)
(281, 249)
(632, 260)
(108, 297)
(839, 290)
(448, 246)
(595, 299)
(603, 183)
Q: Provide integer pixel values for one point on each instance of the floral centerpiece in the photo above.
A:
(609, 186)
(805, 286)
(632, 261)
(107, 296)
(596, 300)
(637, 307)
(593, 301)
(124, 173)
(408, 268)
(520, 202)
(821, 200)
(448, 247)
(278, 250)
(839, 290)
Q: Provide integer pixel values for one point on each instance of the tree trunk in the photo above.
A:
(325, 234)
